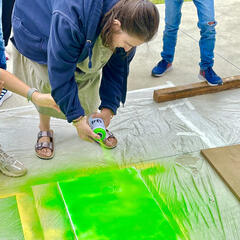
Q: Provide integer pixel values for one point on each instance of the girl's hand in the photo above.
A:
(44, 100)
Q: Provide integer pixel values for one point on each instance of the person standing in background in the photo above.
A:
(206, 24)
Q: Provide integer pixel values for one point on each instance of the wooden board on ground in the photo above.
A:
(194, 89)
(226, 161)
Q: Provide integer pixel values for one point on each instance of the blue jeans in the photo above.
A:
(2, 46)
(206, 24)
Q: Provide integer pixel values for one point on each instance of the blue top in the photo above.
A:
(2, 45)
(61, 33)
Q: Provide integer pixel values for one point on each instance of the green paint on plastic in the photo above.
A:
(53, 216)
(114, 205)
(10, 223)
(176, 221)
(153, 171)
(60, 175)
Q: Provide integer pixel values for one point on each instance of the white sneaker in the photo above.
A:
(5, 94)
(10, 166)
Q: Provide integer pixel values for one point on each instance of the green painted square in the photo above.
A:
(114, 205)
(10, 223)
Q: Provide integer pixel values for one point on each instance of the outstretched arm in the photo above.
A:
(12, 83)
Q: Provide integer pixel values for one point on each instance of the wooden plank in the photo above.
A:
(226, 161)
(194, 89)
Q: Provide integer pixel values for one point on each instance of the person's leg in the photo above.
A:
(172, 21)
(88, 81)
(43, 148)
(88, 85)
(206, 24)
(7, 6)
(36, 75)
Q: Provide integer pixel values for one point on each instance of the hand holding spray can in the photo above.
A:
(98, 127)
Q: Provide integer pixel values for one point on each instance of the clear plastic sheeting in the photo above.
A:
(10, 227)
(162, 141)
(196, 200)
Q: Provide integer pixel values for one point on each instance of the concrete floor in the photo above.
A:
(227, 51)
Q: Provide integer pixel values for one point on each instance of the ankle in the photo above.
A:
(44, 127)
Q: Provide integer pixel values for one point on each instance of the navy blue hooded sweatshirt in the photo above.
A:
(62, 33)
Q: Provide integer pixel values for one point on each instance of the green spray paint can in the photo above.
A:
(97, 125)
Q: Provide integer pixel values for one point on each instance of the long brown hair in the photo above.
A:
(139, 18)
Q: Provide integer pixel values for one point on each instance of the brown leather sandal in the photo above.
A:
(105, 144)
(41, 145)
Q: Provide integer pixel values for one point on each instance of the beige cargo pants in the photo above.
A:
(88, 81)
